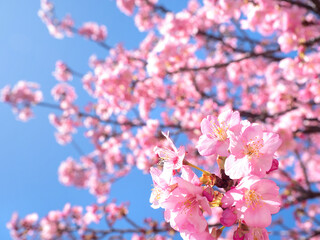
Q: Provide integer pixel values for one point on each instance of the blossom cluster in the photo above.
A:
(77, 222)
(192, 63)
(65, 27)
(93, 31)
(56, 28)
(62, 72)
(245, 154)
(58, 224)
(21, 97)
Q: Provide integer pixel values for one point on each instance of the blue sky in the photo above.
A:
(29, 153)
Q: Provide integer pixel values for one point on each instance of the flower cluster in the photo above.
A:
(58, 29)
(194, 62)
(62, 72)
(59, 223)
(245, 154)
(21, 97)
(93, 31)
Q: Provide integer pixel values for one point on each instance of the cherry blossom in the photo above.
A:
(171, 159)
(62, 73)
(252, 152)
(236, 83)
(214, 138)
(254, 200)
(21, 97)
(93, 31)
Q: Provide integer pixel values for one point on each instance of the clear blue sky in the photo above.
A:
(29, 153)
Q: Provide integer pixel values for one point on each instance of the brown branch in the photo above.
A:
(301, 5)
(304, 170)
(310, 42)
(158, 7)
(221, 65)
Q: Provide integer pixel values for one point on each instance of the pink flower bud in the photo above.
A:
(208, 193)
(236, 235)
(228, 218)
(274, 166)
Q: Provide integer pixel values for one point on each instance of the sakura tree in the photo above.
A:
(235, 84)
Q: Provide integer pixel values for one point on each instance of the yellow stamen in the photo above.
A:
(252, 149)
(253, 199)
(219, 132)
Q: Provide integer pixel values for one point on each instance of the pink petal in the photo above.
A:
(261, 165)
(236, 144)
(236, 168)
(265, 186)
(252, 132)
(257, 217)
(206, 124)
(222, 148)
(273, 205)
(189, 175)
(230, 118)
(204, 204)
(225, 116)
(189, 187)
(206, 146)
(231, 197)
(271, 143)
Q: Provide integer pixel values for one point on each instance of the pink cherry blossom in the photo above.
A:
(126, 6)
(171, 158)
(228, 217)
(254, 200)
(62, 73)
(195, 236)
(93, 31)
(214, 138)
(259, 57)
(21, 97)
(257, 233)
(116, 212)
(252, 152)
(67, 25)
(163, 185)
(91, 215)
(65, 94)
(71, 173)
(182, 208)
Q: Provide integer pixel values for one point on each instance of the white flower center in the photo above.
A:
(156, 192)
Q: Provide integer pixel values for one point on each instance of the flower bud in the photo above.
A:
(274, 166)
(228, 218)
(208, 193)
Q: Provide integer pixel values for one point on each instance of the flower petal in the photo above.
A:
(257, 217)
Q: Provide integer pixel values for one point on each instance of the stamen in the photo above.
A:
(252, 149)
(218, 131)
(257, 234)
(156, 192)
(165, 155)
(188, 204)
(253, 199)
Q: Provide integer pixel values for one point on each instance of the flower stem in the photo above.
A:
(185, 162)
